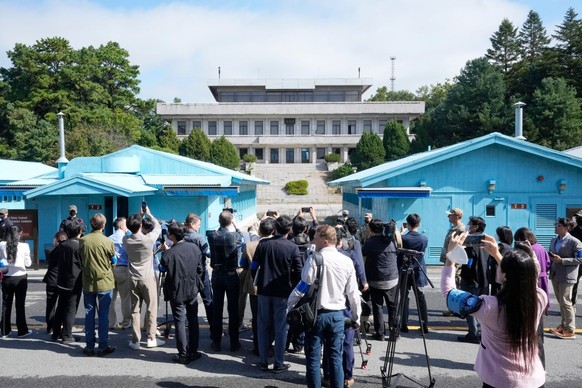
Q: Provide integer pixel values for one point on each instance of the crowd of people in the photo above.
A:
(501, 281)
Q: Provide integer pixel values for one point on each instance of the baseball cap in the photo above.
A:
(345, 212)
(456, 211)
(73, 207)
(3, 211)
(368, 215)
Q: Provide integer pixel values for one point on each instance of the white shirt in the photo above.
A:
(338, 280)
(22, 260)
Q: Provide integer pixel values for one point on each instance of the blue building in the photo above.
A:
(505, 180)
(117, 183)
(16, 177)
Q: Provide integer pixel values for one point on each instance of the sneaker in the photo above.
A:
(263, 367)
(71, 340)
(469, 338)
(152, 343)
(557, 330)
(88, 352)
(29, 332)
(281, 368)
(104, 352)
(134, 345)
(349, 383)
(184, 360)
(565, 334)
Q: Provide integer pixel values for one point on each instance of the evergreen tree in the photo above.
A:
(568, 50)
(532, 37)
(369, 152)
(383, 94)
(196, 145)
(223, 153)
(557, 115)
(168, 140)
(395, 141)
(504, 51)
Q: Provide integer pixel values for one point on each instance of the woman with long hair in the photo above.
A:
(508, 355)
(15, 282)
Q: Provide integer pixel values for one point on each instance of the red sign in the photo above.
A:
(94, 207)
(27, 220)
(519, 205)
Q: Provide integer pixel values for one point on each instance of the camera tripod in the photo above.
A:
(406, 275)
(167, 322)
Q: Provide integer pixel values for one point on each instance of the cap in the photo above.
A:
(345, 212)
(73, 207)
(579, 214)
(368, 215)
(3, 211)
(456, 211)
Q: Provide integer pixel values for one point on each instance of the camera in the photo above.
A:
(305, 209)
(144, 205)
(229, 209)
(271, 213)
(474, 241)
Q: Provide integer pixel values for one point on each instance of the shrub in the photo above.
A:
(249, 158)
(296, 187)
(342, 171)
(332, 158)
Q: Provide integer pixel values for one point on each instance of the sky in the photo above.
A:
(179, 45)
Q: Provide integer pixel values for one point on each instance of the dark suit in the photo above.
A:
(183, 264)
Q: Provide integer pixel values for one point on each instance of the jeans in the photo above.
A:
(224, 282)
(348, 353)
(14, 289)
(378, 298)
(272, 320)
(328, 328)
(182, 311)
(100, 301)
(472, 322)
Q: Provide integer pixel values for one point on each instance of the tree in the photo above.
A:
(168, 140)
(504, 51)
(196, 145)
(532, 37)
(369, 152)
(383, 94)
(557, 115)
(223, 153)
(568, 50)
(395, 141)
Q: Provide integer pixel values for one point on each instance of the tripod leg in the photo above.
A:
(422, 325)
(395, 330)
(359, 341)
(368, 345)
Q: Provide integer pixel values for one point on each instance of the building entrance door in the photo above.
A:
(305, 155)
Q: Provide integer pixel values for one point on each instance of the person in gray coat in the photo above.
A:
(566, 256)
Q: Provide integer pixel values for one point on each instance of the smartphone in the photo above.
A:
(271, 213)
(144, 205)
(306, 209)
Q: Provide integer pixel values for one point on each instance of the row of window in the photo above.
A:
(292, 96)
(304, 127)
(305, 154)
(10, 198)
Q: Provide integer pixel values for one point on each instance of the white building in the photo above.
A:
(289, 120)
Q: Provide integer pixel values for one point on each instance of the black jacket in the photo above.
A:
(183, 263)
(69, 264)
(380, 256)
(474, 273)
(280, 266)
(52, 272)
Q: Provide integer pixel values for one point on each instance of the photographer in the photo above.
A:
(508, 355)
(183, 266)
(417, 242)
(382, 273)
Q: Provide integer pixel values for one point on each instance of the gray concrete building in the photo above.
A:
(289, 120)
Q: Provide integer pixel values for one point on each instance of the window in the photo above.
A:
(336, 127)
(258, 128)
(320, 153)
(336, 151)
(290, 129)
(196, 124)
(242, 152)
(290, 155)
(367, 126)
(381, 125)
(320, 130)
(243, 128)
(228, 128)
(305, 127)
(181, 128)
(259, 153)
(490, 211)
(351, 127)
(305, 155)
(274, 155)
(274, 128)
(212, 128)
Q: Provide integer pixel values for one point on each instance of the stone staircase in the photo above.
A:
(327, 201)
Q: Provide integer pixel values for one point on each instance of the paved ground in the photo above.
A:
(36, 360)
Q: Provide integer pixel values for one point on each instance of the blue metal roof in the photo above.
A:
(16, 170)
(393, 168)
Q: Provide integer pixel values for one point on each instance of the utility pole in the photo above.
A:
(392, 74)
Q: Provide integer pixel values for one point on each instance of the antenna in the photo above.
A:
(392, 74)
(358, 72)
(218, 72)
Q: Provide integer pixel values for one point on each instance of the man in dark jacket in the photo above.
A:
(69, 282)
(382, 274)
(279, 270)
(183, 266)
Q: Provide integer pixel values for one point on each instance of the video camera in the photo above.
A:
(229, 209)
